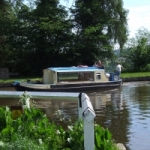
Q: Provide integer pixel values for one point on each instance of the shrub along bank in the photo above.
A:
(29, 128)
(33, 130)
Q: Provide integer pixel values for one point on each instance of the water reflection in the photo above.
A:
(111, 113)
(125, 112)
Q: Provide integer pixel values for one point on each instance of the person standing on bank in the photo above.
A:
(99, 64)
(118, 69)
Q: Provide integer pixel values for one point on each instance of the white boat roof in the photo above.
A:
(75, 69)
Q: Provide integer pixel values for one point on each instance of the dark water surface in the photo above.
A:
(125, 112)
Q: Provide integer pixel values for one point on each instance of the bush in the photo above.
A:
(33, 130)
(22, 143)
(147, 68)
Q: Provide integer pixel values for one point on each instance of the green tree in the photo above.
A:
(38, 36)
(41, 34)
(5, 10)
(10, 36)
(98, 25)
(138, 49)
(50, 34)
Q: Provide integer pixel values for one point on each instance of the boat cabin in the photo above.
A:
(70, 75)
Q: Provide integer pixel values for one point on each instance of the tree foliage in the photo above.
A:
(98, 26)
(138, 50)
(42, 33)
(50, 34)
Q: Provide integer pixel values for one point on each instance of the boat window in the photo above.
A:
(98, 76)
(75, 76)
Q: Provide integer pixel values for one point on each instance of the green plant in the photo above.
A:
(22, 143)
(74, 136)
(103, 139)
(34, 128)
(2, 119)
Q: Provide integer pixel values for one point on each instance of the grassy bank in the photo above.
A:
(123, 75)
(135, 74)
(21, 79)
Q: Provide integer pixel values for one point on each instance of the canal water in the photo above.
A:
(125, 112)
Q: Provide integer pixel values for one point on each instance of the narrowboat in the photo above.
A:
(72, 79)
